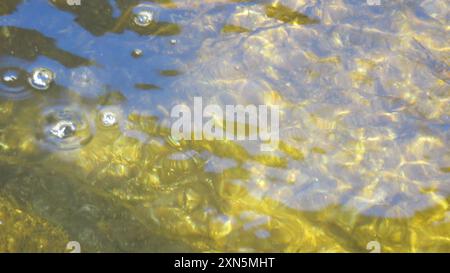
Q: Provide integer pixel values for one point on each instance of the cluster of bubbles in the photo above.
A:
(13, 81)
(68, 128)
(143, 16)
(61, 127)
(65, 128)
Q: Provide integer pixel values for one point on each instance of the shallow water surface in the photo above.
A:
(86, 152)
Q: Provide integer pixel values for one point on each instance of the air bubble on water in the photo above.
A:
(109, 119)
(41, 78)
(109, 116)
(144, 18)
(63, 129)
(137, 53)
(13, 83)
(10, 76)
(145, 14)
